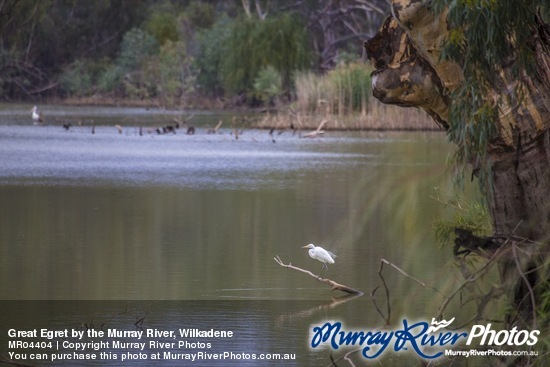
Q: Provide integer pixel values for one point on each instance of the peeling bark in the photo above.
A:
(402, 76)
(406, 55)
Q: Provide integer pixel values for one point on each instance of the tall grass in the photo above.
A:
(343, 90)
(343, 98)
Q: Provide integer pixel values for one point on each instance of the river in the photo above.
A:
(185, 228)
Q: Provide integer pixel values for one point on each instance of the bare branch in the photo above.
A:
(388, 306)
(317, 132)
(246, 7)
(387, 317)
(331, 283)
(475, 276)
(261, 14)
(402, 272)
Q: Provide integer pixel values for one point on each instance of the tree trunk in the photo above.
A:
(409, 71)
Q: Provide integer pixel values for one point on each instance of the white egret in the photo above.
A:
(320, 254)
(36, 115)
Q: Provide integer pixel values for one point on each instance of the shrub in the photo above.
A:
(268, 85)
(212, 51)
(163, 27)
(136, 45)
(254, 44)
(124, 75)
(76, 79)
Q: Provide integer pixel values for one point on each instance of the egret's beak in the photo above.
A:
(304, 246)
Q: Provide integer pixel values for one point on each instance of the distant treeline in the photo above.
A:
(176, 52)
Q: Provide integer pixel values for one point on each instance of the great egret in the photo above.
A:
(320, 254)
(36, 115)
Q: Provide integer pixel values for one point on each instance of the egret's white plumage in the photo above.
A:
(36, 115)
(320, 254)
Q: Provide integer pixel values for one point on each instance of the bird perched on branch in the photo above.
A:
(36, 116)
(320, 254)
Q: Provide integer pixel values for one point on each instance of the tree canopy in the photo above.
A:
(60, 48)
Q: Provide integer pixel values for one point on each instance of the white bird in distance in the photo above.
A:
(322, 255)
(36, 116)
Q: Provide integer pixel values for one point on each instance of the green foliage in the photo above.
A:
(124, 75)
(163, 26)
(109, 80)
(46, 38)
(136, 45)
(76, 79)
(212, 51)
(253, 44)
(485, 36)
(268, 84)
(201, 15)
(173, 67)
(493, 33)
(47, 41)
(470, 215)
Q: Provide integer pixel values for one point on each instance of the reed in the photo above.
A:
(377, 116)
(343, 98)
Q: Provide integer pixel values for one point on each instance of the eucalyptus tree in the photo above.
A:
(481, 69)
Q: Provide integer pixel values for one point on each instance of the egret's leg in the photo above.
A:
(325, 267)
(319, 276)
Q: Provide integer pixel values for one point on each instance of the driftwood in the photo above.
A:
(317, 132)
(331, 283)
(215, 130)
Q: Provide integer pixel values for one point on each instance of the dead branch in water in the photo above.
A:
(331, 283)
(319, 131)
(215, 130)
(387, 316)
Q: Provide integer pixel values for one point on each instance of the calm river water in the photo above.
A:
(183, 229)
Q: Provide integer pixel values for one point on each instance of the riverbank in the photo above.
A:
(376, 116)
